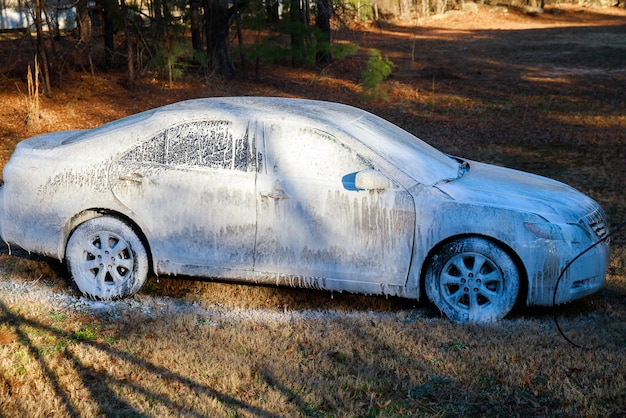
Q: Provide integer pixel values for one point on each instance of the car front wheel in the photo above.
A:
(472, 280)
(106, 259)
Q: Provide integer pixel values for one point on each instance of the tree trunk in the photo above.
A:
(109, 29)
(242, 55)
(196, 40)
(322, 21)
(41, 48)
(217, 21)
(298, 52)
(158, 19)
(83, 21)
(129, 48)
(271, 7)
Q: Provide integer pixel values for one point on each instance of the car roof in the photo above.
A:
(267, 107)
(362, 129)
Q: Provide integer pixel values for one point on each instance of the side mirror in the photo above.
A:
(371, 180)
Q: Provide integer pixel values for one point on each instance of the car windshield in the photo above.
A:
(413, 156)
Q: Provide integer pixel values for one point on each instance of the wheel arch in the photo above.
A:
(88, 214)
(523, 274)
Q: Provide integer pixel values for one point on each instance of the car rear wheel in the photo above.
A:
(472, 280)
(106, 259)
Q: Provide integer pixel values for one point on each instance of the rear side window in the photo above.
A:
(216, 144)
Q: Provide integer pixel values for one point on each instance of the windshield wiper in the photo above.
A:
(464, 168)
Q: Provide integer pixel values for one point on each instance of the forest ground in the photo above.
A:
(543, 94)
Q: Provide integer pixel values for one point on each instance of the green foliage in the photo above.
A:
(86, 333)
(287, 41)
(289, 44)
(175, 60)
(362, 9)
(57, 316)
(359, 10)
(376, 71)
(162, 43)
(270, 51)
(300, 42)
(306, 42)
(340, 51)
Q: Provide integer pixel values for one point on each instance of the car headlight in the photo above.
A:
(562, 232)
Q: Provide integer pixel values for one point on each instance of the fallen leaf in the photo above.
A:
(383, 405)
(7, 336)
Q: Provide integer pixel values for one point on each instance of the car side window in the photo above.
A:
(150, 151)
(216, 144)
(307, 152)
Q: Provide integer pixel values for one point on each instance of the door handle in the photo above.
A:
(135, 178)
(277, 191)
(275, 195)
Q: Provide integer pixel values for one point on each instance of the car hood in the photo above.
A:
(491, 185)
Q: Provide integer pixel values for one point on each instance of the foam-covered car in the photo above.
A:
(299, 193)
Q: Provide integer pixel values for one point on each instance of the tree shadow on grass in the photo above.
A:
(106, 389)
(388, 377)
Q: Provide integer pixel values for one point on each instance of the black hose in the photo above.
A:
(556, 287)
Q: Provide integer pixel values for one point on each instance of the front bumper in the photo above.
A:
(584, 276)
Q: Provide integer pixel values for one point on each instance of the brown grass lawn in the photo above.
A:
(543, 94)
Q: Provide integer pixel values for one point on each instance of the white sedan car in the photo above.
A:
(299, 193)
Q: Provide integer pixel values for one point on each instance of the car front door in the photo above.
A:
(312, 220)
(191, 188)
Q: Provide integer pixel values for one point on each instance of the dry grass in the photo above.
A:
(159, 356)
(192, 348)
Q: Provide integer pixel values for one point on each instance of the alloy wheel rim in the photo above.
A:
(471, 283)
(107, 260)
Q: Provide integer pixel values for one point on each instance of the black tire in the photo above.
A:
(472, 280)
(106, 259)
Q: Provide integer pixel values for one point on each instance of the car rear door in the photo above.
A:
(191, 188)
(312, 221)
